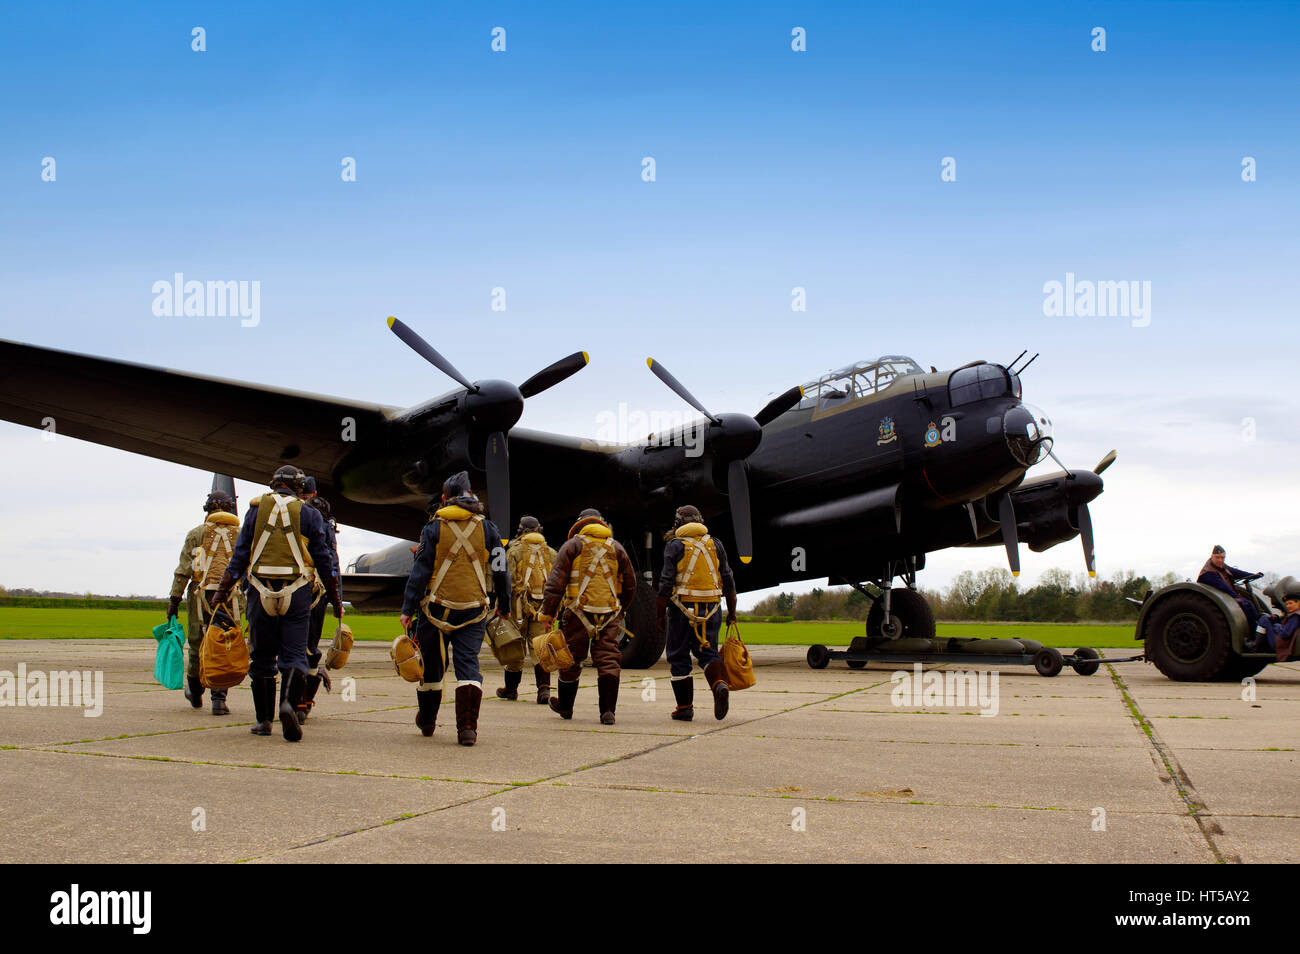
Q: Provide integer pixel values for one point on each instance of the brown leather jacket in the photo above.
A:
(558, 581)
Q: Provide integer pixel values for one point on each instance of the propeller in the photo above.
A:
(1083, 518)
(493, 407)
(731, 439)
(1007, 518)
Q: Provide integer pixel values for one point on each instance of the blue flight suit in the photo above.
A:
(317, 625)
(680, 634)
(1280, 630)
(1216, 580)
(281, 641)
(467, 641)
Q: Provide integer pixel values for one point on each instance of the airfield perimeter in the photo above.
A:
(1183, 772)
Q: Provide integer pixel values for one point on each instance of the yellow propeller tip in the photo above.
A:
(1092, 573)
(649, 362)
(586, 358)
(1015, 572)
(391, 319)
(746, 559)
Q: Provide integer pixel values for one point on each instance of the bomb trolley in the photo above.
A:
(1047, 660)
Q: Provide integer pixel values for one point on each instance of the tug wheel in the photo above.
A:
(818, 656)
(1093, 661)
(1048, 661)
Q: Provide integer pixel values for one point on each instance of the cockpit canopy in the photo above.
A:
(857, 381)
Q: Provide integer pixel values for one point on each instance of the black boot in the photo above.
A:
(291, 686)
(543, 685)
(567, 692)
(219, 706)
(263, 703)
(194, 691)
(607, 694)
(429, 700)
(467, 703)
(721, 691)
(684, 693)
(511, 689)
(304, 705)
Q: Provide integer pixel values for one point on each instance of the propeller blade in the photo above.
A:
(497, 463)
(778, 406)
(427, 352)
(1007, 517)
(738, 493)
(663, 375)
(1084, 520)
(554, 374)
(1105, 462)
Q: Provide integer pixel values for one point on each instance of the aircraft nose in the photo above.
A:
(1028, 432)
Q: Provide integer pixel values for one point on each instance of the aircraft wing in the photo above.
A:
(228, 427)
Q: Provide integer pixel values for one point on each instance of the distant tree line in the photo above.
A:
(992, 594)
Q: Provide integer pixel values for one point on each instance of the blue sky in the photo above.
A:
(774, 169)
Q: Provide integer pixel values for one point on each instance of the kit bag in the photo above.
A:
(552, 651)
(737, 668)
(340, 647)
(223, 655)
(505, 640)
(169, 660)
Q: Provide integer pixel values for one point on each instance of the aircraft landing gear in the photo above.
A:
(897, 612)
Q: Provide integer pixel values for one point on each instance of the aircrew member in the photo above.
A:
(529, 560)
(1218, 574)
(204, 555)
(1280, 632)
(694, 579)
(278, 536)
(319, 603)
(459, 578)
(592, 585)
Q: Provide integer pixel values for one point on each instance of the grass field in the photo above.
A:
(21, 622)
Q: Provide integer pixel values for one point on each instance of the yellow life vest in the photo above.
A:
(532, 565)
(214, 551)
(461, 557)
(594, 580)
(698, 577)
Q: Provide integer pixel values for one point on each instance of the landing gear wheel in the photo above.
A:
(644, 651)
(818, 656)
(1048, 661)
(1086, 668)
(906, 606)
(1187, 638)
(1241, 667)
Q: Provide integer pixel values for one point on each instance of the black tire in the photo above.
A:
(1086, 668)
(644, 651)
(819, 657)
(857, 664)
(912, 611)
(1187, 638)
(1048, 661)
(1242, 667)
